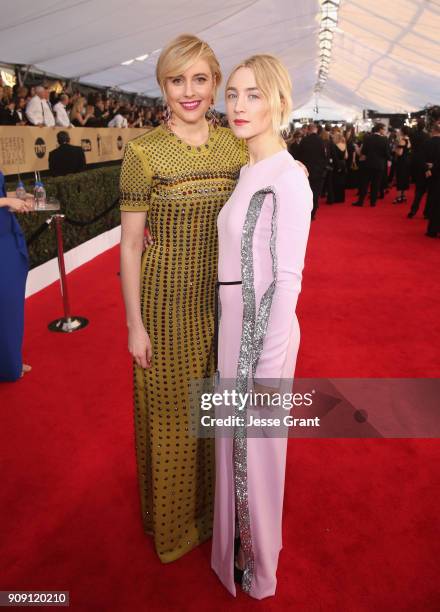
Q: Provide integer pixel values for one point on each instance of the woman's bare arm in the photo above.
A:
(132, 245)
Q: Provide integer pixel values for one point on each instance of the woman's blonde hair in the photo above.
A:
(180, 54)
(77, 107)
(274, 82)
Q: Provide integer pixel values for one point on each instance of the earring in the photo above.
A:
(212, 117)
(167, 117)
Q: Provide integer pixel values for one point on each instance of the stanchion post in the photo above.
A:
(62, 267)
(68, 323)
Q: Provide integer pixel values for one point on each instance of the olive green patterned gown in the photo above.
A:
(183, 189)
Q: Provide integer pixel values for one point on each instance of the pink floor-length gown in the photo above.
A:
(285, 192)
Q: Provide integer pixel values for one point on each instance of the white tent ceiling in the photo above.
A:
(385, 55)
(323, 108)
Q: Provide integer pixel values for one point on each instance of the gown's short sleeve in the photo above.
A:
(135, 180)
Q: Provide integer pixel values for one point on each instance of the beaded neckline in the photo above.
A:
(191, 148)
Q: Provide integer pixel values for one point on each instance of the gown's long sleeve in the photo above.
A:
(294, 199)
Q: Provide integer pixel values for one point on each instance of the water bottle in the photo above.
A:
(20, 192)
(40, 195)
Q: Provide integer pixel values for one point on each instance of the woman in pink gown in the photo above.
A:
(263, 231)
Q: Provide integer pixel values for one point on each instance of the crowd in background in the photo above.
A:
(336, 157)
(37, 105)
(372, 162)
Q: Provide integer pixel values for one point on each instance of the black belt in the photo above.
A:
(216, 317)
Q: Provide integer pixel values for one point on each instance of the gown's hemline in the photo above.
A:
(175, 555)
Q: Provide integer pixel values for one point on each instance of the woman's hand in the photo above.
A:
(148, 239)
(303, 167)
(139, 346)
(263, 395)
(21, 206)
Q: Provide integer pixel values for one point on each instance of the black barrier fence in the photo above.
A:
(95, 219)
(44, 226)
(88, 200)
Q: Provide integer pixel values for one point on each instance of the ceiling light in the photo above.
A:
(328, 24)
(325, 35)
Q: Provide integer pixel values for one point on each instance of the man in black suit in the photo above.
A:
(311, 152)
(67, 159)
(375, 151)
(418, 138)
(433, 176)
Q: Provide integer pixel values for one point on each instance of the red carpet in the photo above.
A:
(361, 526)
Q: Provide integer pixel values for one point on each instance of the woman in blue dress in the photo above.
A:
(13, 273)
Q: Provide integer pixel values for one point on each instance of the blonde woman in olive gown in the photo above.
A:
(179, 174)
